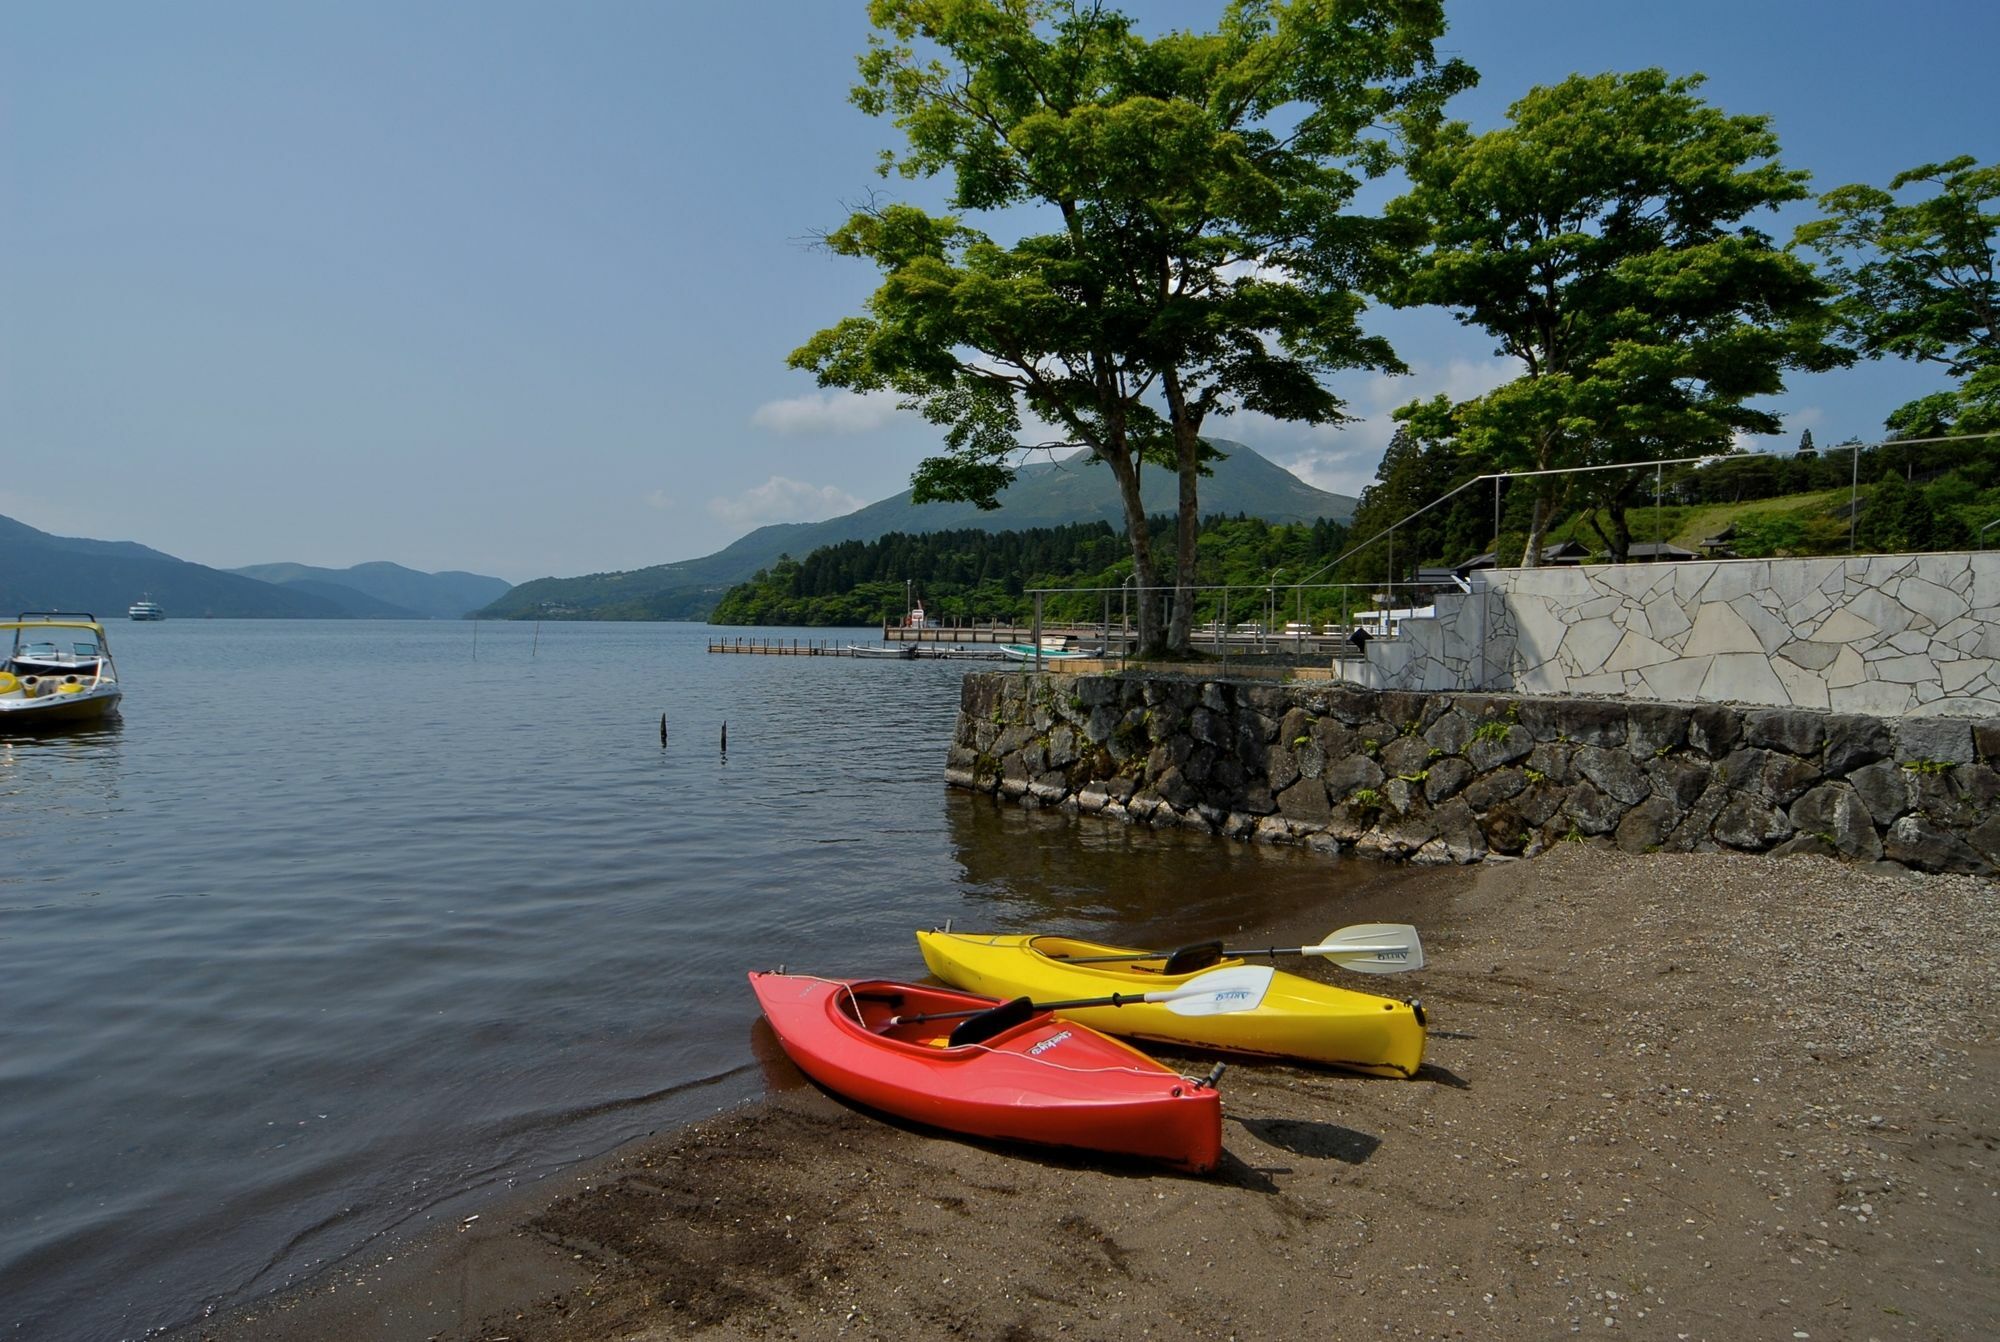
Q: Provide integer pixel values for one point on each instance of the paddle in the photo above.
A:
(1240, 988)
(1366, 948)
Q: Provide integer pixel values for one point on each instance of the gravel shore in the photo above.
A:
(1674, 1096)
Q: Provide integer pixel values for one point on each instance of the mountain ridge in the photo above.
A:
(383, 590)
(1044, 494)
(43, 571)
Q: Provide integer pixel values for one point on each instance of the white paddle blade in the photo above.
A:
(1373, 948)
(1218, 992)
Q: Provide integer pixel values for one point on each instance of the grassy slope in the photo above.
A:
(1688, 525)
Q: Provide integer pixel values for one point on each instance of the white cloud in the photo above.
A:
(782, 500)
(827, 412)
(1343, 457)
(660, 499)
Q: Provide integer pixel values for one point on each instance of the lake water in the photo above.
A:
(344, 925)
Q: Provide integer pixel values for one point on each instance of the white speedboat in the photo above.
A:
(1027, 652)
(58, 670)
(146, 610)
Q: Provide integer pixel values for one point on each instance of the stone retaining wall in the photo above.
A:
(1452, 777)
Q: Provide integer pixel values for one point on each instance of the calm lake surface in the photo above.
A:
(345, 925)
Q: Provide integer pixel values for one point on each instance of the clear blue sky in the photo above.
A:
(509, 286)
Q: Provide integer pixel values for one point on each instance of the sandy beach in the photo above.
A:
(1682, 1097)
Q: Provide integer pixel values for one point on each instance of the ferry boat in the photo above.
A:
(58, 670)
(146, 610)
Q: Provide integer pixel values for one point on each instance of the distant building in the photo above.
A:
(1563, 552)
(1651, 552)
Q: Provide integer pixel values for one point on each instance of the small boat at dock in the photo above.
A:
(1051, 650)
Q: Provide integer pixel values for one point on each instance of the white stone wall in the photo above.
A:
(1882, 634)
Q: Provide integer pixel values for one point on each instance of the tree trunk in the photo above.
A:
(1126, 472)
(1187, 528)
(1538, 526)
(1621, 534)
(1186, 422)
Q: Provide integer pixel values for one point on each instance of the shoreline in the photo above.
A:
(1696, 1095)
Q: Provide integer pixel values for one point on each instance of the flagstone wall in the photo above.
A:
(1454, 777)
(1880, 634)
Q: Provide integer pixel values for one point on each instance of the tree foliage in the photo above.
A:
(1600, 239)
(1920, 279)
(987, 576)
(1196, 257)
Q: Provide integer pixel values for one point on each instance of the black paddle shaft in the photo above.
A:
(1188, 958)
(1027, 1008)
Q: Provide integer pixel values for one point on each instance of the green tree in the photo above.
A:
(1412, 474)
(1600, 239)
(1920, 280)
(1197, 259)
(1895, 517)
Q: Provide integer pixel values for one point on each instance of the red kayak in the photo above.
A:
(1015, 1073)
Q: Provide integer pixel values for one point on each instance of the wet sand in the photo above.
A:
(1688, 1097)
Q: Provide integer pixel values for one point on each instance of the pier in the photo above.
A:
(799, 647)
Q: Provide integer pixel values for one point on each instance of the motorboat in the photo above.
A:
(1050, 648)
(147, 610)
(1028, 652)
(904, 653)
(58, 670)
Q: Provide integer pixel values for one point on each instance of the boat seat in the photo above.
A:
(998, 1020)
(1188, 959)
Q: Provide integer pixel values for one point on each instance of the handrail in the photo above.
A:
(1856, 448)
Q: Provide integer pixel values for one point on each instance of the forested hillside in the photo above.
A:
(981, 575)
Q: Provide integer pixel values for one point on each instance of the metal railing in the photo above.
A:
(1239, 620)
(1658, 466)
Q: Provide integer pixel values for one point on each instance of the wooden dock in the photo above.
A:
(803, 647)
(779, 647)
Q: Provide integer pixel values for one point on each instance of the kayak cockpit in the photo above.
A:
(1071, 952)
(896, 1015)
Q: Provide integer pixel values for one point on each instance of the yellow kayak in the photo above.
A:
(1298, 1017)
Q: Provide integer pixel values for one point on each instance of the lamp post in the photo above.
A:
(1270, 605)
(1657, 541)
(1853, 495)
(1125, 614)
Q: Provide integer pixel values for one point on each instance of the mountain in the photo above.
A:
(1045, 494)
(39, 571)
(383, 591)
